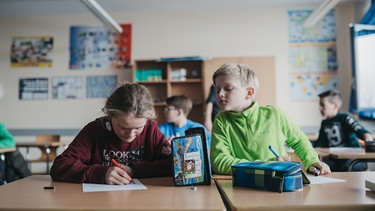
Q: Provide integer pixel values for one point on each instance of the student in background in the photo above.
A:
(15, 164)
(339, 129)
(211, 109)
(176, 112)
(127, 133)
(243, 130)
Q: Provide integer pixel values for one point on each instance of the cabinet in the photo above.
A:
(193, 77)
(165, 78)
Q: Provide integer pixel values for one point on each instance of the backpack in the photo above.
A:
(16, 166)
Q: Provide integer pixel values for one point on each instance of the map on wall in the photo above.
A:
(312, 55)
(324, 31)
(100, 86)
(98, 47)
(31, 51)
(307, 87)
(67, 87)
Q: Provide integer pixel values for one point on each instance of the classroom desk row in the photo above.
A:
(358, 154)
(48, 151)
(161, 194)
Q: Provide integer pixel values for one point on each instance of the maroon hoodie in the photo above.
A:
(88, 156)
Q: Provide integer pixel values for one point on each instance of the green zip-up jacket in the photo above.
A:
(245, 136)
(6, 139)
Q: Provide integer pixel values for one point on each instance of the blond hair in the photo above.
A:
(242, 72)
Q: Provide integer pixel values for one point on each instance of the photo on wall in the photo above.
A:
(31, 51)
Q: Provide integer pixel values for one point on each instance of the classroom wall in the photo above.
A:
(216, 33)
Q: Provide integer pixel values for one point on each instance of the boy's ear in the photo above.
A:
(180, 111)
(250, 92)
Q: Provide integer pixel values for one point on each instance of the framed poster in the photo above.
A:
(31, 51)
(33, 88)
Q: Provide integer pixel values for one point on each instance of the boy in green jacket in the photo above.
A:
(244, 130)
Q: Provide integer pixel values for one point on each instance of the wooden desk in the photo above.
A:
(49, 151)
(349, 195)
(28, 194)
(2, 163)
(358, 154)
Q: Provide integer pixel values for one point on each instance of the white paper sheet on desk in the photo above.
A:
(322, 179)
(345, 149)
(91, 187)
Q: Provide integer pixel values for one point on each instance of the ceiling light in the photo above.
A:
(100, 13)
(317, 14)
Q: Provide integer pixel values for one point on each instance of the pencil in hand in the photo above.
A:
(118, 165)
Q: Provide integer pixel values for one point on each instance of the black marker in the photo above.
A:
(49, 187)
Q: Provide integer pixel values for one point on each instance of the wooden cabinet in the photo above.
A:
(177, 77)
(193, 77)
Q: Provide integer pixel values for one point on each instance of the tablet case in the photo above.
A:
(271, 175)
(191, 164)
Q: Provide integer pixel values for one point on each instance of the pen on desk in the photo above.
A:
(49, 187)
(273, 151)
(118, 165)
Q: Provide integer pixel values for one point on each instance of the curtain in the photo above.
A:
(369, 18)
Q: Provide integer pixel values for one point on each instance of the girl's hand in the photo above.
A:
(117, 176)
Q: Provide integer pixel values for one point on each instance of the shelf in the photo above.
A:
(174, 77)
(198, 80)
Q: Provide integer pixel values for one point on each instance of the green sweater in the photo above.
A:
(6, 139)
(245, 136)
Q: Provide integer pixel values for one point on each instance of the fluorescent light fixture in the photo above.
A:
(321, 11)
(100, 13)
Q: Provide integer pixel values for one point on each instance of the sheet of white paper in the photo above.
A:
(91, 187)
(345, 149)
(370, 184)
(322, 179)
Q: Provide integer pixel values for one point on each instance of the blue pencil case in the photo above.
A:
(269, 175)
(191, 165)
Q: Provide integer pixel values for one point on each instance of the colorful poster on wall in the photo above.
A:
(31, 51)
(308, 86)
(33, 89)
(312, 55)
(67, 87)
(93, 47)
(100, 86)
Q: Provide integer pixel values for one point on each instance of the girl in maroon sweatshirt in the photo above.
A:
(128, 134)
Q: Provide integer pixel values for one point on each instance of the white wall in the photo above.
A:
(216, 33)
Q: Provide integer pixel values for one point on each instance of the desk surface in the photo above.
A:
(11, 149)
(346, 153)
(28, 194)
(349, 195)
(35, 144)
